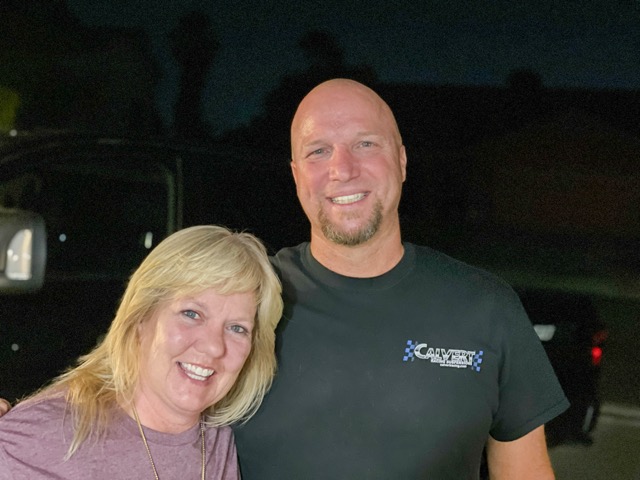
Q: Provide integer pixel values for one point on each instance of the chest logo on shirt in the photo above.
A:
(444, 357)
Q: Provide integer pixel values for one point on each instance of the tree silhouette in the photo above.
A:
(194, 46)
(326, 61)
(525, 98)
(322, 51)
(64, 72)
(524, 80)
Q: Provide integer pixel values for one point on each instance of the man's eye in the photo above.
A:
(366, 143)
(316, 152)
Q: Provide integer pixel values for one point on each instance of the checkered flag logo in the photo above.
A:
(477, 360)
(408, 351)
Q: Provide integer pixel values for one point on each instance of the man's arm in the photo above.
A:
(5, 406)
(525, 458)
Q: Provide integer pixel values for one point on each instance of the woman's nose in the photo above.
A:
(212, 342)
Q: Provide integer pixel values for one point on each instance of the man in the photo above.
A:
(395, 361)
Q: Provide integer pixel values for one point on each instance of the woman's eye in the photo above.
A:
(191, 314)
(239, 329)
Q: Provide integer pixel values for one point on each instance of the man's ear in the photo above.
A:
(403, 162)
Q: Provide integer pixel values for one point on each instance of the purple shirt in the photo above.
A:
(35, 437)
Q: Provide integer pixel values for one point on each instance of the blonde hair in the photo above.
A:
(185, 263)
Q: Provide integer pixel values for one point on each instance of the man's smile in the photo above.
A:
(346, 199)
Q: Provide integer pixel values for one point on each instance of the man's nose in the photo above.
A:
(343, 165)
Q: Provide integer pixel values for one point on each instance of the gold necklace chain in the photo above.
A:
(146, 445)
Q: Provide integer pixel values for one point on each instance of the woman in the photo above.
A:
(190, 351)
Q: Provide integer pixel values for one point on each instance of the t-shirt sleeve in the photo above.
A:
(529, 392)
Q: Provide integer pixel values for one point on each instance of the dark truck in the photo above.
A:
(91, 208)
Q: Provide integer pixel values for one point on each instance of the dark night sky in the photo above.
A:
(592, 44)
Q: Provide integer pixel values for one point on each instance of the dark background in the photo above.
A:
(590, 44)
(520, 118)
(246, 48)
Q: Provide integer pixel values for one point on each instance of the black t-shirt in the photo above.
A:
(400, 376)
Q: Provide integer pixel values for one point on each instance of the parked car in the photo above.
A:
(573, 336)
(105, 203)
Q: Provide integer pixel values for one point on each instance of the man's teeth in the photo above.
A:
(348, 198)
(196, 372)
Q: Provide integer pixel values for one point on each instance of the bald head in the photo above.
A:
(331, 99)
(349, 164)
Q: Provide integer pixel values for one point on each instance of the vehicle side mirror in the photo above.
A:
(23, 251)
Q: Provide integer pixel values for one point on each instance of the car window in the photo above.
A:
(100, 220)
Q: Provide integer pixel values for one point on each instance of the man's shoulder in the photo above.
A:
(288, 256)
(432, 258)
(453, 271)
(288, 252)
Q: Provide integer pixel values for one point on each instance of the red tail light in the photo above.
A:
(597, 340)
(596, 356)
